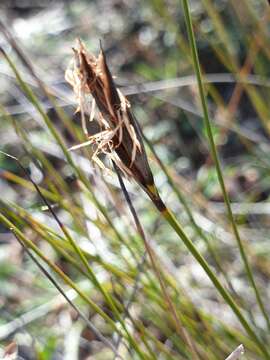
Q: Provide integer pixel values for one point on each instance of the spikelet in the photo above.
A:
(120, 135)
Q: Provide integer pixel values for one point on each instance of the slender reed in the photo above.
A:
(177, 321)
(214, 153)
(120, 138)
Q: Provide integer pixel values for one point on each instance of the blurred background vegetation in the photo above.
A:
(148, 51)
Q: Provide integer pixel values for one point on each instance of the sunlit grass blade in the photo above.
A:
(84, 260)
(72, 304)
(216, 159)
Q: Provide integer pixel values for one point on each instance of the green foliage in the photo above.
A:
(75, 221)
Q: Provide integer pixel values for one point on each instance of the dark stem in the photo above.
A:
(160, 205)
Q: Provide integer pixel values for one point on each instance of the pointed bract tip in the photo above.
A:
(100, 45)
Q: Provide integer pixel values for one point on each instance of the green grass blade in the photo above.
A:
(216, 159)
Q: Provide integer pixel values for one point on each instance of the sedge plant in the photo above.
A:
(120, 139)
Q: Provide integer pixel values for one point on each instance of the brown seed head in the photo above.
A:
(120, 136)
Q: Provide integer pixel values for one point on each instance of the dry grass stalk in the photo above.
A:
(237, 353)
(120, 135)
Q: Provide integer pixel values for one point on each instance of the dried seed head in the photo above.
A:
(120, 135)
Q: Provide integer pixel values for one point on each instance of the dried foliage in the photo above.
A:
(120, 135)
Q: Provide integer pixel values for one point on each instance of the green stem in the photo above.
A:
(185, 205)
(167, 214)
(216, 159)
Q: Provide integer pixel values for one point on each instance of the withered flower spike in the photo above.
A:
(120, 134)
